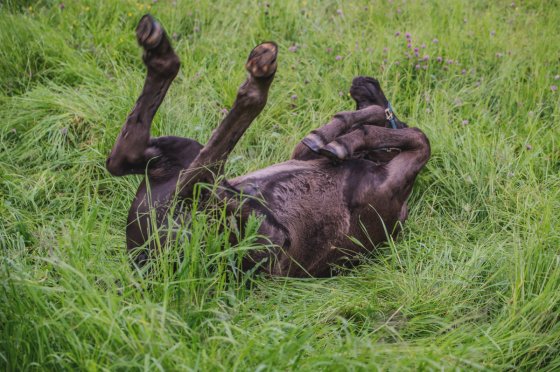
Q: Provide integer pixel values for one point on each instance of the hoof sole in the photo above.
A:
(149, 32)
(335, 151)
(262, 60)
(314, 142)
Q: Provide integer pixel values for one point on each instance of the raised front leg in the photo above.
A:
(133, 147)
(250, 101)
(340, 124)
(411, 144)
(366, 92)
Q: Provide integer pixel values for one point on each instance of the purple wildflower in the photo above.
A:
(417, 67)
(449, 61)
(407, 35)
(339, 12)
(553, 88)
(409, 45)
(425, 58)
(224, 111)
(423, 46)
(463, 72)
(293, 97)
(329, 50)
(338, 58)
(465, 122)
(61, 6)
(435, 41)
(293, 48)
(528, 147)
(385, 50)
(439, 59)
(397, 33)
(492, 33)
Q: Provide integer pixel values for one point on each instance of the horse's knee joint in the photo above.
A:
(421, 141)
(343, 117)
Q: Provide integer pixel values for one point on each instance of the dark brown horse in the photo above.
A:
(347, 181)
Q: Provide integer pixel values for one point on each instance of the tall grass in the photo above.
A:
(473, 282)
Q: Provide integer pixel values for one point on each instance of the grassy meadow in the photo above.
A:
(473, 282)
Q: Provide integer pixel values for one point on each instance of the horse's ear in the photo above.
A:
(367, 91)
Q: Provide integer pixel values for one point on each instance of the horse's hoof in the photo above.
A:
(314, 142)
(335, 151)
(149, 32)
(262, 60)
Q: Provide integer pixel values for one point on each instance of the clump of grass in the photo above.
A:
(473, 282)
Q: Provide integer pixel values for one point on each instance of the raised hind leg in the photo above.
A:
(250, 101)
(134, 147)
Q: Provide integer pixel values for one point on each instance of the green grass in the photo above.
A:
(473, 282)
